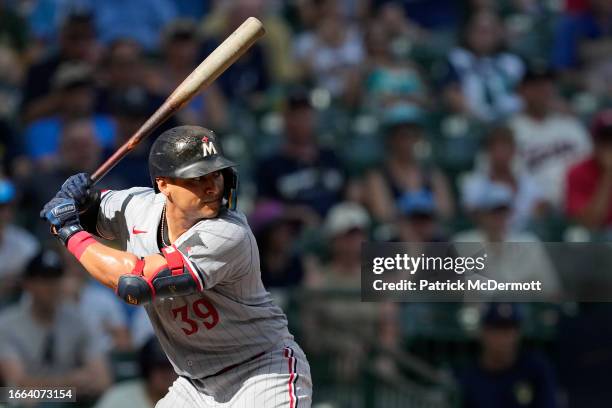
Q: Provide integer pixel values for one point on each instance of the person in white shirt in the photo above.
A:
(498, 164)
(332, 52)
(521, 258)
(45, 341)
(482, 78)
(549, 142)
(103, 309)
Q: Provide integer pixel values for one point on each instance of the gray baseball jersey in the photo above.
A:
(234, 318)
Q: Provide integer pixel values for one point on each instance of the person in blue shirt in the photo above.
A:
(76, 42)
(575, 30)
(504, 375)
(74, 85)
(304, 176)
(582, 47)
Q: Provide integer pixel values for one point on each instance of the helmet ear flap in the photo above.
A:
(230, 192)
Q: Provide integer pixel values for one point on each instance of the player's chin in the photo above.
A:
(210, 209)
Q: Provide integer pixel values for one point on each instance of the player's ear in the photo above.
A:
(162, 185)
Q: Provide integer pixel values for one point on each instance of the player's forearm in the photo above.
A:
(135, 280)
(106, 264)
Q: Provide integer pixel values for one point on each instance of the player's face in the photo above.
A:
(199, 197)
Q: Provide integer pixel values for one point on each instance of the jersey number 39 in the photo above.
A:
(203, 309)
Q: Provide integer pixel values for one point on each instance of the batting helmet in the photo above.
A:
(192, 151)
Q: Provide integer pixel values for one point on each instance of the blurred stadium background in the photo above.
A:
(352, 120)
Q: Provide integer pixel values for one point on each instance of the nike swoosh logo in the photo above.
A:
(135, 231)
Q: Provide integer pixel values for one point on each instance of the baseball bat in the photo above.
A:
(214, 65)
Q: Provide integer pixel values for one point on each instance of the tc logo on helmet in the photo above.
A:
(208, 147)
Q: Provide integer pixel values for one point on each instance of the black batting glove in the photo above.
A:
(79, 187)
(63, 216)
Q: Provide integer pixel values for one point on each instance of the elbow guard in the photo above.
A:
(134, 289)
(172, 279)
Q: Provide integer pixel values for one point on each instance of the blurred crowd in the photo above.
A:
(352, 120)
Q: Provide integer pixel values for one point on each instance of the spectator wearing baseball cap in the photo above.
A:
(589, 183)
(491, 204)
(276, 231)
(17, 246)
(181, 53)
(403, 173)
(344, 325)
(304, 176)
(244, 82)
(497, 163)
(46, 342)
(344, 218)
(504, 374)
(124, 68)
(419, 225)
(79, 150)
(418, 221)
(344, 229)
(130, 108)
(156, 375)
(73, 83)
(77, 42)
(548, 140)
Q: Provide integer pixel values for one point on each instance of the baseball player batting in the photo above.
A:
(189, 257)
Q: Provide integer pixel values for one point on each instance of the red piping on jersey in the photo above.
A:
(292, 363)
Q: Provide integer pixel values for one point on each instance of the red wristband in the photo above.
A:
(79, 242)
